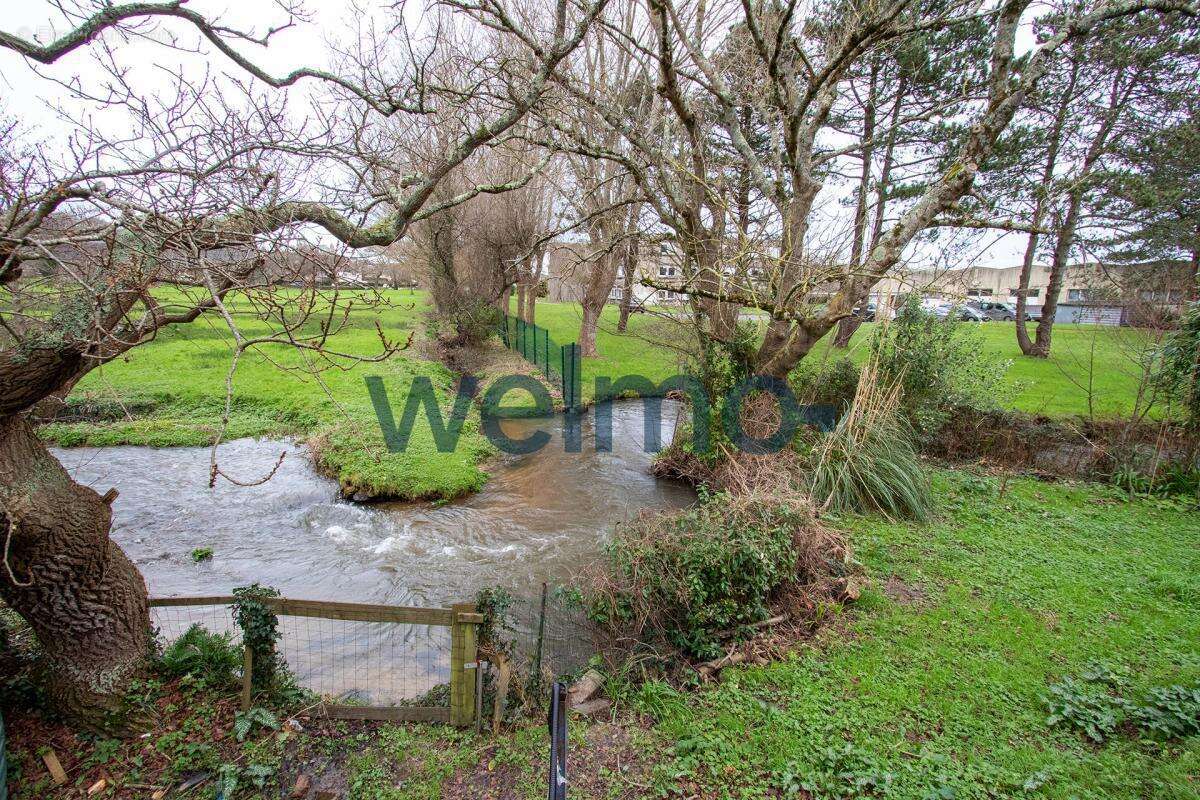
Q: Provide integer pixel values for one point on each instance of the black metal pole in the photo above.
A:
(557, 779)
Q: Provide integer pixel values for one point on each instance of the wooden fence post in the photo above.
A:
(247, 677)
(462, 652)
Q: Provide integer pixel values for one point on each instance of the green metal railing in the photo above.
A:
(559, 363)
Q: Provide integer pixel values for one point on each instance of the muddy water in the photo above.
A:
(541, 516)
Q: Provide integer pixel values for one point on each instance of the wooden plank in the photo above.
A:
(472, 619)
(388, 713)
(247, 677)
(462, 652)
(169, 602)
(325, 609)
(457, 676)
(362, 612)
(56, 771)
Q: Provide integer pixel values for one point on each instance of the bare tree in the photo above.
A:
(793, 71)
(600, 194)
(200, 196)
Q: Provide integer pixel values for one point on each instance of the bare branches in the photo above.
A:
(410, 99)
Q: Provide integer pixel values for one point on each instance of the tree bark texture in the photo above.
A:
(82, 596)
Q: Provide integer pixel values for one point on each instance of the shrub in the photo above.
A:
(687, 577)
(1083, 706)
(495, 604)
(1095, 705)
(868, 462)
(1178, 373)
(211, 658)
(833, 382)
(939, 365)
(260, 632)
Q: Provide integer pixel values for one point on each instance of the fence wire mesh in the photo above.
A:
(560, 363)
(549, 636)
(376, 663)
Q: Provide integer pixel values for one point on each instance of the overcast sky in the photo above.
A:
(34, 98)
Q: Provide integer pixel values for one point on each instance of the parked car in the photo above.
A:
(865, 313)
(964, 312)
(1007, 311)
(938, 308)
(969, 314)
(994, 309)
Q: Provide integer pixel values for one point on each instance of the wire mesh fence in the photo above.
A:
(548, 635)
(381, 657)
(378, 662)
(560, 363)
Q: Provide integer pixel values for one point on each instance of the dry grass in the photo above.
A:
(869, 463)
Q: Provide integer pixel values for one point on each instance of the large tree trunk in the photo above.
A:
(595, 293)
(626, 294)
(531, 304)
(528, 286)
(587, 330)
(845, 331)
(1023, 340)
(82, 596)
(1058, 270)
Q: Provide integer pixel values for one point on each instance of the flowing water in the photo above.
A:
(541, 517)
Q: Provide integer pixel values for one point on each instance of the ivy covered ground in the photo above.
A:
(1022, 604)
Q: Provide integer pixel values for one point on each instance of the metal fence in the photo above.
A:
(366, 661)
(410, 664)
(546, 637)
(559, 363)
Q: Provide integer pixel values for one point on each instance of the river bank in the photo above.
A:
(171, 393)
(934, 684)
(540, 517)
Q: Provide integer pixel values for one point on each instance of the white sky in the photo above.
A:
(33, 97)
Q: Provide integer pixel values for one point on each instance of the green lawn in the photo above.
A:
(171, 393)
(931, 686)
(941, 687)
(637, 351)
(1086, 360)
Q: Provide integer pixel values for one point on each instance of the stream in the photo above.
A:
(541, 517)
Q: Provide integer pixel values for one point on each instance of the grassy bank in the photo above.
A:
(931, 686)
(171, 392)
(934, 686)
(1086, 359)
